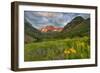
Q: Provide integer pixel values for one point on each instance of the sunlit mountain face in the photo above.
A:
(54, 20)
(51, 28)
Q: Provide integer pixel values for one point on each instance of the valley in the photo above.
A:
(56, 43)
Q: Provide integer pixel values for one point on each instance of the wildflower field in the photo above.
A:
(69, 48)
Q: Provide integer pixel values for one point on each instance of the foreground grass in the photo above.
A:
(76, 48)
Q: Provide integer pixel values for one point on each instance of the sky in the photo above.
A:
(40, 19)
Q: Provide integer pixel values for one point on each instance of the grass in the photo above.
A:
(75, 48)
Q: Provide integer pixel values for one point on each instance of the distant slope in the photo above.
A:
(51, 28)
(77, 27)
(31, 33)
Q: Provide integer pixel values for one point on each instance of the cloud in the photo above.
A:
(46, 14)
(40, 19)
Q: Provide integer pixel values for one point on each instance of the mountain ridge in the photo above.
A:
(78, 27)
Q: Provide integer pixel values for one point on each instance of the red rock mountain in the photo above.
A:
(51, 28)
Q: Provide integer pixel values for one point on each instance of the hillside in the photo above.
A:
(73, 23)
(78, 27)
(31, 33)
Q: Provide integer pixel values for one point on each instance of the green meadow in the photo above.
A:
(72, 42)
(68, 48)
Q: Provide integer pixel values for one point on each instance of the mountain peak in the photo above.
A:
(88, 19)
(76, 21)
(51, 28)
(77, 27)
(78, 18)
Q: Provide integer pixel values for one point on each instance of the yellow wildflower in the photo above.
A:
(66, 52)
(72, 50)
